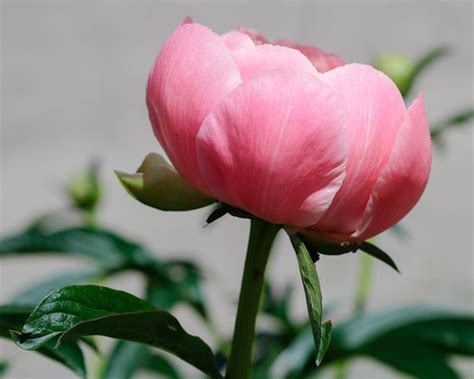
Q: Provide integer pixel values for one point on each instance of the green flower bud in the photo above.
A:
(157, 184)
(397, 67)
(84, 189)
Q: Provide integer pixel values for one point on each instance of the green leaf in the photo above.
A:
(3, 368)
(455, 121)
(182, 286)
(34, 293)
(104, 247)
(312, 289)
(376, 252)
(78, 311)
(170, 282)
(127, 358)
(13, 317)
(414, 359)
(157, 184)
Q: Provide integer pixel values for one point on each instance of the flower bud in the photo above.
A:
(157, 184)
(84, 189)
(397, 67)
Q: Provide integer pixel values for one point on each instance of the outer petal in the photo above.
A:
(252, 62)
(375, 112)
(257, 37)
(192, 72)
(405, 176)
(235, 40)
(322, 60)
(276, 147)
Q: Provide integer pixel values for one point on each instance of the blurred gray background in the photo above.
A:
(73, 82)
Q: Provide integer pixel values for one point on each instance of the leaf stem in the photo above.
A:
(262, 235)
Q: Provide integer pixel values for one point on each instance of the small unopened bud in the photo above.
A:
(397, 67)
(84, 189)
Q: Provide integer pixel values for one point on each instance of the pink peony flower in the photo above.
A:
(266, 129)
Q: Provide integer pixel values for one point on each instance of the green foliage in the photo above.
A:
(12, 317)
(403, 71)
(417, 341)
(93, 310)
(127, 358)
(312, 290)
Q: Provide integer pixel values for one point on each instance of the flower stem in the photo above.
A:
(262, 235)
(363, 284)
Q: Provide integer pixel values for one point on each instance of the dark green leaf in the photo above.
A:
(78, 311)
(183, 287)
(127, 358)
(312, 291)
(12, 317)
(222, 209)
(3, 368)
(379, 254)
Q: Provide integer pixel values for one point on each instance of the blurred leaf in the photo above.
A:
(3, 368)
(126, 358)
(158, 185)
(92, 310)
(395, 337)
(169, 282)
(12, 317)
(454, 121)
(105, 248)
(422, 362)
(295, 357)
(278, 306)
(184, 286)
(312, 289)
(376, 252)
(34, 293)
(403, 71)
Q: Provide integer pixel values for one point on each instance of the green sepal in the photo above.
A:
(158, 185)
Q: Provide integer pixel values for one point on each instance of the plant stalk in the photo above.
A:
(262, 235)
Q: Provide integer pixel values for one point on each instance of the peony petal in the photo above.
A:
(257, 37)
(262, 58)
(276, 146)
(235, 40)
(320, 59)
(405, 176)
(193, 71)
(375, 112)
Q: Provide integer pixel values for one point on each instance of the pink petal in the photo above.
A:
(276, 146)
(404, 177)
(320, 59)
(193, 71)
(257, 38)
(187, 20)
(235, 40)
(262, 58)
(375, 112)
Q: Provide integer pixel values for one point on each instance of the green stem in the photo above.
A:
(261, 239)
(363, 284)
(362, 295)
